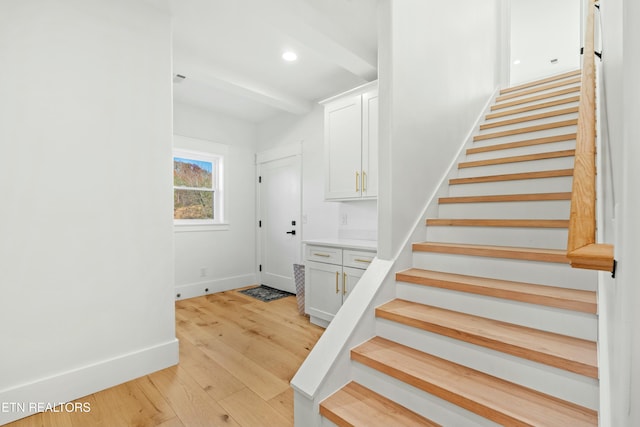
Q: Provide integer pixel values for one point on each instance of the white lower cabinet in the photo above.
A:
(330, 276)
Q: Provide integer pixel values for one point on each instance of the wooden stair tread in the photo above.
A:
(509, 252)
(546, 126)
(516, 159)
(356, 405)
(541, 81)
(563, 352)
(540, 97)
(516, 223)
(532, 117)
(490, 397)
(534, 107)
(512, 176)
(548, 86)
(524, 143)
(527, 197)
(551, 296)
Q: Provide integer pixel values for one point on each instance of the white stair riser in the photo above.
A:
(326, 423)
(421, 402)
(540, 92)
(530, 112)
(559, 321)
(524, 136)
(550, 238)
(553, 209)
(537, 122)
(521, 151)
(561, 184)
(546, 379)
(518, 167)
(541, 273)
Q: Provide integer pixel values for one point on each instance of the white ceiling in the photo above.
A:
(230, 52)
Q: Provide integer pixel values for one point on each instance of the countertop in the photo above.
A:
(364, 245)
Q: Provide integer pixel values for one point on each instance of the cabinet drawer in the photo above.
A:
(324, 254)
(357, 259)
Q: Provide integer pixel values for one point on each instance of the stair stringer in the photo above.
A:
(329, 367)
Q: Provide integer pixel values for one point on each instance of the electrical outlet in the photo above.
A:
(203, 272)
(344, 220)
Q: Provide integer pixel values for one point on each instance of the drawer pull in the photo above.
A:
(362, 260)
(337, 277)
(322, 255)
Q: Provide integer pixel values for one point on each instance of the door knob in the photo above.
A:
(293, 232)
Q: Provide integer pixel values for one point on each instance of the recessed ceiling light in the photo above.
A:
(289, 56)
(516, 62)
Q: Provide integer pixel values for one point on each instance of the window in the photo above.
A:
(197, 188)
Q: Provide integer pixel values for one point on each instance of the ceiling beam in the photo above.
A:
(233, 83)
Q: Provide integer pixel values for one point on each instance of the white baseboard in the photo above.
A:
(28, 399)
(197, 289)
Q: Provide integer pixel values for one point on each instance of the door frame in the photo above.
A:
(273, 154)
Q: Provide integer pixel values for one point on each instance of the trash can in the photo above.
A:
(298, 275)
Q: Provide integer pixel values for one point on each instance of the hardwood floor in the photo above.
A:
(237, 356)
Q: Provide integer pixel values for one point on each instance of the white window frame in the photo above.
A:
(218, 187)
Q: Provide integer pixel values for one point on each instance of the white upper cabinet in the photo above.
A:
(351, 144)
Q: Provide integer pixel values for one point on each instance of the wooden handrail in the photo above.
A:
(582, 249)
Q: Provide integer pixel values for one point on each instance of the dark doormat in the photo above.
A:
(266, 293)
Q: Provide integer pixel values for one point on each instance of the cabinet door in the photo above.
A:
(370, 144)
(323, 291)
(350, 277)
(343, 148)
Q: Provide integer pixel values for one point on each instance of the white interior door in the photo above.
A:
(279, 221)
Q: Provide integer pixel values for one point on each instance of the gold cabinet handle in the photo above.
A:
(337, 277)
(344, 283)
(368, 261)
(364, 181)
(357, 182)
(322, 255)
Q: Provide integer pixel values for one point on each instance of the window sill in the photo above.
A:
(188, 228)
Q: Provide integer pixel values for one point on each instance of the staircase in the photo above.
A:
(491, 326)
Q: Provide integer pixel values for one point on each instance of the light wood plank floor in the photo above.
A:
(237, 356)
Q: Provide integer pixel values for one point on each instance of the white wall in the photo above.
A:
(620, 327)
(86, 253)
(613, 335)
(438, 66)
(227, 255)
(631, 249)
(358, 220)
(540, 31)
